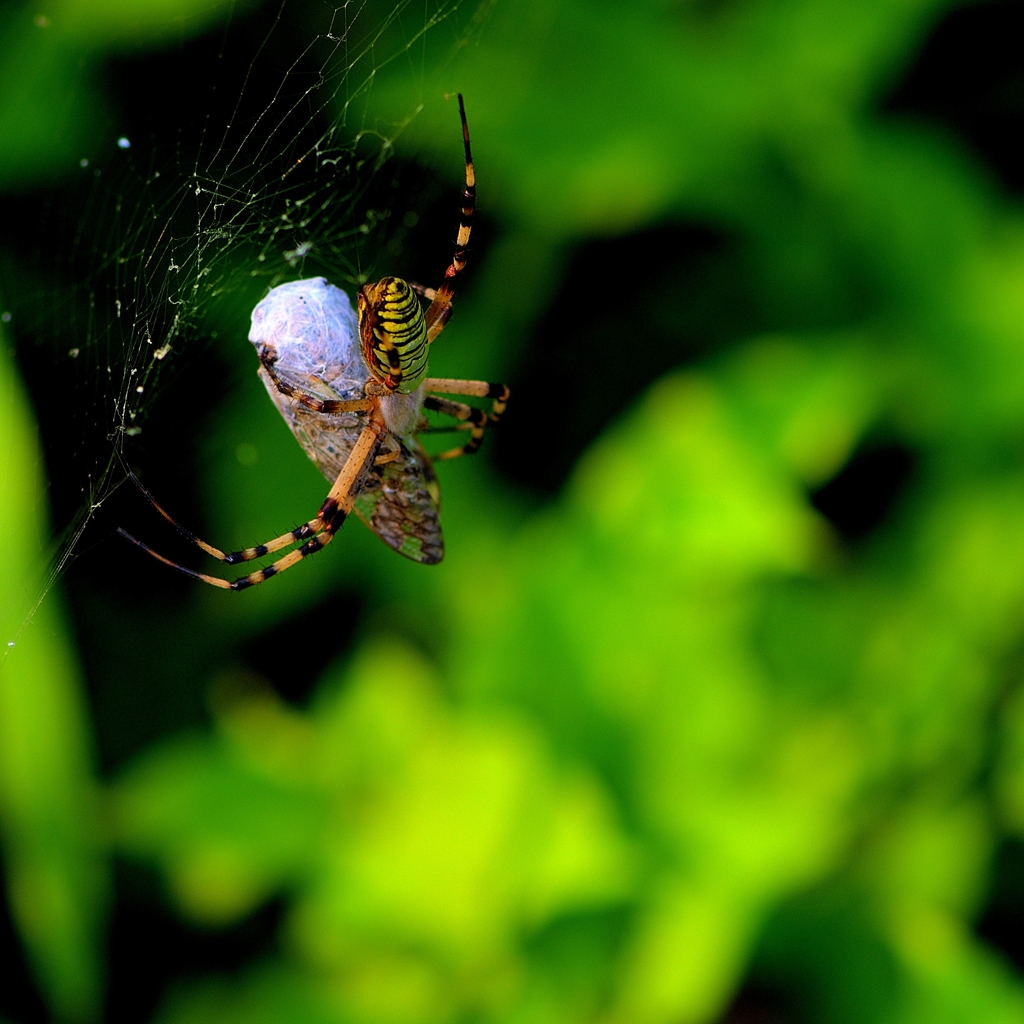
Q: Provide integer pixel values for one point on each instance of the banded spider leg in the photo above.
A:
(320, 530)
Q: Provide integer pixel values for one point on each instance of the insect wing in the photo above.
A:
(400, 501)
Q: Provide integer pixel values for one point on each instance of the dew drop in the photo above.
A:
(123, 143)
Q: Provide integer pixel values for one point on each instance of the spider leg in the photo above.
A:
(332, 514)
(494, 390)
(329, 406)
(441, 306)
(453, 429)
(421, 289)
(477, 419)
(233, 558)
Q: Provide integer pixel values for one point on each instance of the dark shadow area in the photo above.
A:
(144, 685)
(969, 77)
(293, 667)
(74, 432)
(125, 608)
(820, 959)
(1001, 921)
(600, 345)
(760, 1004)
(861, 495)
(151, 949)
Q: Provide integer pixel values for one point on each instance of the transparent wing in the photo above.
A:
(400, 502)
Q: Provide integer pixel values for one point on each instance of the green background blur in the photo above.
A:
(713, 711)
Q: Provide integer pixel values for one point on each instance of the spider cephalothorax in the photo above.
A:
(393, 332)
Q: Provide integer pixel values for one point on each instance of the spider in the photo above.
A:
(352, 386)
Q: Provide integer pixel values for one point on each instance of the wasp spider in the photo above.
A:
(352, 386)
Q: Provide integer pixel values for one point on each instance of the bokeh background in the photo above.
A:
(714, 710)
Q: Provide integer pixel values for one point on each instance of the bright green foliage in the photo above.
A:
(419, 841)
(672, 732)
(55, 879)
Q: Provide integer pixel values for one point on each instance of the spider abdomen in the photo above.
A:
(393, 330)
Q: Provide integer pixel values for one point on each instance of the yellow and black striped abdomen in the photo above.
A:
(394, 334)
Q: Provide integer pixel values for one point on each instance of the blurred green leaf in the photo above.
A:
(421, 843)
(56, 878)
(136, 23)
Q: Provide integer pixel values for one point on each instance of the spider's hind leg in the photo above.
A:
(332, 514)
(477, 419)
(309, 529)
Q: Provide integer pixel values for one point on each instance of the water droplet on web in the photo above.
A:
(123, 143)
(140, 389)
(10, 643)
(73, 352)
(294, 255)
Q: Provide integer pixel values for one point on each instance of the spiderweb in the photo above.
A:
(274, 180)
